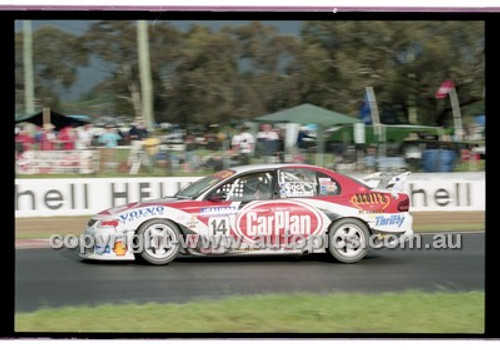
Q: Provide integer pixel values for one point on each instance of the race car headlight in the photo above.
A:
(109, 223)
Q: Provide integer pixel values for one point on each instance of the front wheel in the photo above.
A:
(348, 240)
(159, 241)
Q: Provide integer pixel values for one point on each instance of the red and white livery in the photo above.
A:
(257, 209)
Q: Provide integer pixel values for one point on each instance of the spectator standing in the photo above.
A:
(301, 138)
(84, 140)
(243, 144)
(137, 134)
(268, 140)
(110, 137)
(38, 136)
(138, 131)
(24, 141)
(189, 161)
(48, 138)
(67, 136)
(221, 136)
(110, 140)
(370, 158)
(280, 146)
(162, 157)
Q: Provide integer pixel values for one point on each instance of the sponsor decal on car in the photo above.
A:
(278, 219)
(371, 211)
(220, 211)
(279, 223)
(393, 220)
(327, 186)
(224, 174)
(192, 223)
(102, 249)
(120, 248)
(296, 189)
(365, 201)
(141, 213)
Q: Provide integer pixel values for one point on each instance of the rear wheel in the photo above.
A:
(159, 241)
(348, 240)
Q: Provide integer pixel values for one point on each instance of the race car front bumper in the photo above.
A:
(106, 243)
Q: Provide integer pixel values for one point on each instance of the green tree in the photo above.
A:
(115, 42)
(204, 81)
(204, 76)
(404, 61)
(56, 59)
(264, 57)
(165, 52)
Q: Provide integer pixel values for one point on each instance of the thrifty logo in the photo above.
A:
(396, 220)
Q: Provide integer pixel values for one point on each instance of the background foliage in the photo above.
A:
(203, 75)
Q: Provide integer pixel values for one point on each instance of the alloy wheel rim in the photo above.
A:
(348, 240)
(160, 241)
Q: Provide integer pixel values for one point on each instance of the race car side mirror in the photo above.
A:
(218, 197)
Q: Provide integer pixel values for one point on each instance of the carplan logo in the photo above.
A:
(278, 219)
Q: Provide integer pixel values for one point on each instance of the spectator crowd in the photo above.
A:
(222, 147)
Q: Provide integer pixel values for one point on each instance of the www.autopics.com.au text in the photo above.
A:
(309, 243)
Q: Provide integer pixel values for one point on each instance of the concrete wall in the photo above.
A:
(86, 196)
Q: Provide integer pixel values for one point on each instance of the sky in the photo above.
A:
(90, 76)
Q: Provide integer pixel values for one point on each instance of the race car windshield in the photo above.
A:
(198, 187)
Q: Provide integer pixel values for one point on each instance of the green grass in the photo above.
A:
(450, 226)
(20, 235)
(406, 312)
(44, 235)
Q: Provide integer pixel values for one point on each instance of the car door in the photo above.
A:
(297, 188)
(242, 207)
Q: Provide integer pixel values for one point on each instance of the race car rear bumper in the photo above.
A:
(392, 227)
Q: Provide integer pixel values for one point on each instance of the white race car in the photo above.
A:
(256, 209)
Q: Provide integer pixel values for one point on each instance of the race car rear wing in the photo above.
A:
(386, 182)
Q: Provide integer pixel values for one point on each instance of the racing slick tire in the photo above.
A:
(160, 241)
(348, 240)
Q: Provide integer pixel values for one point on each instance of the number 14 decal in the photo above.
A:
(218, 226)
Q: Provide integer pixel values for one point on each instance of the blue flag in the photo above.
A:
(366, 114)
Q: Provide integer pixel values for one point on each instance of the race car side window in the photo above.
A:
(254, 186)
(327, 185)
(299, 182)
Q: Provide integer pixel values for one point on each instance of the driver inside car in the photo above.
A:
(254, 188)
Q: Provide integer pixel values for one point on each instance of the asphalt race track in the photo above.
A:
(53, 278)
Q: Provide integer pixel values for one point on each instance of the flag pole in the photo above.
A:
(373, 110)
(377, 126)
(457, 116)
